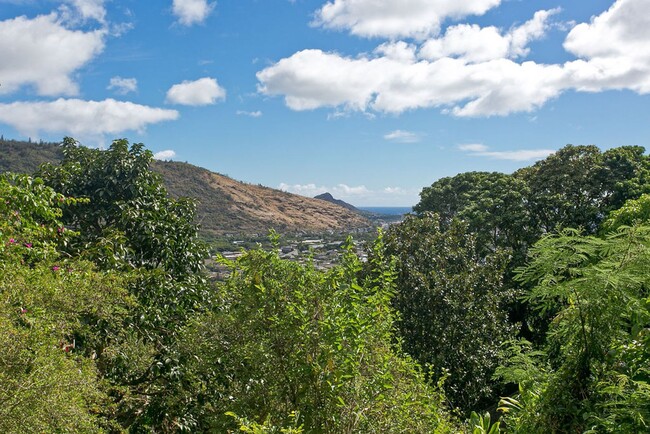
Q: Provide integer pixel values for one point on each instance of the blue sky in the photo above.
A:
(370, 100)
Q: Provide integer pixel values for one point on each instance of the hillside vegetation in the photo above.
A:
(26, 157)
(224, 205)
(509, 303)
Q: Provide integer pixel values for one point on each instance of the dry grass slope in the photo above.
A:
(230, 206)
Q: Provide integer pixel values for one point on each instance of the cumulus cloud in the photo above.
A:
(204, 91)
(339, 190)
(164, 155)
(396, 19)
(468, 71)
(481, 150)
(613, 49)
(81, 118)
(43, 53)
(309, 190)
(479, 44)
(311, 79)
(191, 12)
(399, 51)
(255, 114)
(123, 86)
(402, 136)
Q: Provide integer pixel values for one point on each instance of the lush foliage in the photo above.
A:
(492, 204)
(56, 315)
(108, 323)
(106, 312)
(575, 187)
(292, 346)
(593, 375)
(451, 303)
(633, 212)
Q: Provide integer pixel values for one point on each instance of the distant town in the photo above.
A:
(323, 250)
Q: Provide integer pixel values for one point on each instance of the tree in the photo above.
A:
(578, 185)
(631, 213)
(56, 315)
(126, 203)
(625, 175)
(594, 373)
(494, 206)
(127, 222)
(451, 304)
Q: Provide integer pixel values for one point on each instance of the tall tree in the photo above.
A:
(125, 221)
(492, 204)
(451, 303)
(127, 207)
(578, 185)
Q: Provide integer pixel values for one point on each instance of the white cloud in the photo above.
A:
(531, 30)
(400, 51)
(613, 49)
(480, 44)
(43, 53)
(338, 191)
(469, 71)
(123, 86)
(473, 147)
(344, 190)
(311, 79)
(81, 118)
(85, 9)
(396, 19)
(191, 12)
(402, 136)
(204, 91)
(470, 42)
(480, 150)
(309, 190)
(357, 195)
(255, 114)
(165, 155)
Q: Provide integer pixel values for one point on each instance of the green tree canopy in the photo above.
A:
(493, 205)
(451, 303)
(593, 376)
(127, 210)
(127, 222)
(632, 212)
(578, 185)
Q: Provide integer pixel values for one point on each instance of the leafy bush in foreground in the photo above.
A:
(593, 375)
(290, 340)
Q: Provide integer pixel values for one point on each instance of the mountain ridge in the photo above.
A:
(225, 206)
(329, 198)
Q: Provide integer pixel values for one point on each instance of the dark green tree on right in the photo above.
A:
(452, 305)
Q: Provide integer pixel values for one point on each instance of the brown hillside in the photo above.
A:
(225, 206)
(230, 206)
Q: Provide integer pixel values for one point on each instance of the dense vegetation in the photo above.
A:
(527, 292)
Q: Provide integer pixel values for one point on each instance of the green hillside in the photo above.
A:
(25, 157)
